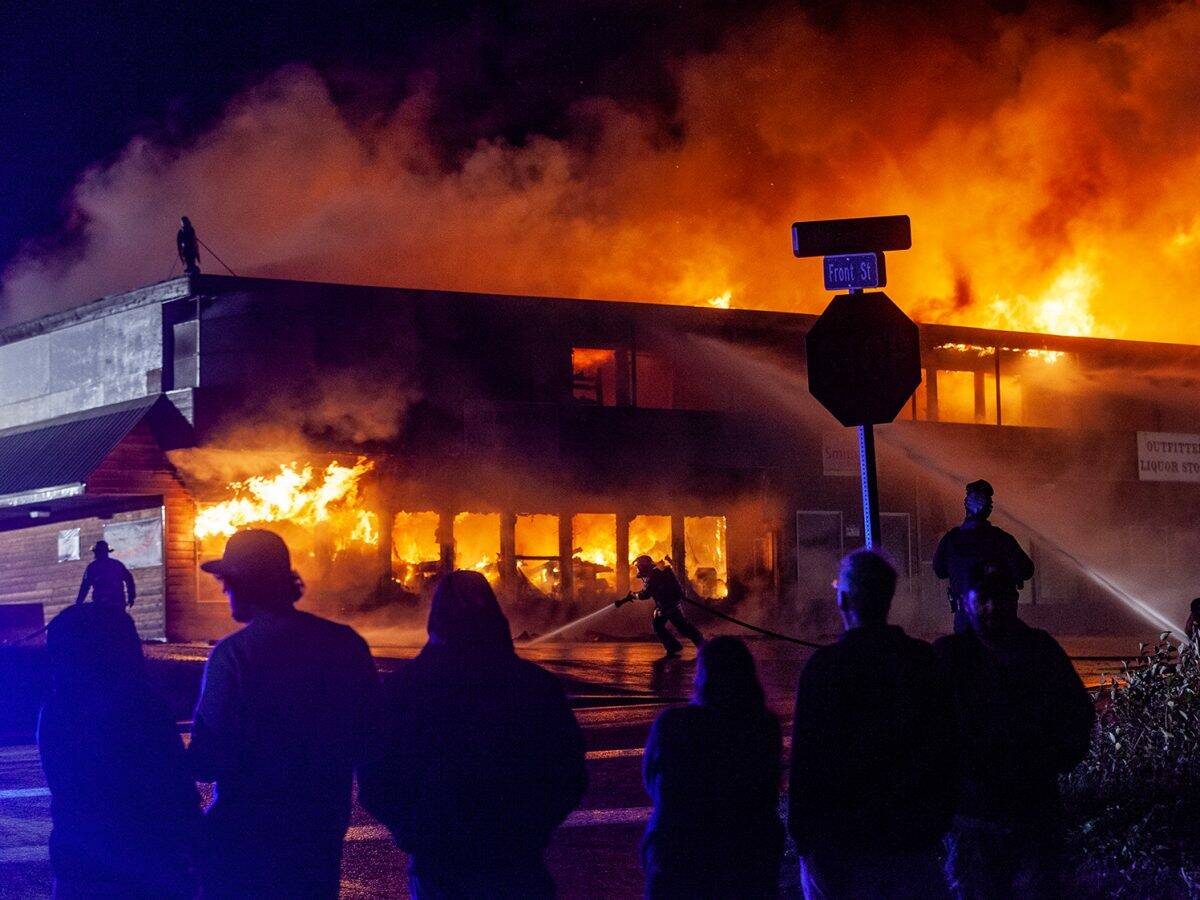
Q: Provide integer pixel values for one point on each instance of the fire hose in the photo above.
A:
(12, 642)
(766, 632)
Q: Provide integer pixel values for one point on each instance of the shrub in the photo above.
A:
(1134, 802)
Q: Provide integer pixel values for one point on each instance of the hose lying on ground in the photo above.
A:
(763, 631)
(14, 641)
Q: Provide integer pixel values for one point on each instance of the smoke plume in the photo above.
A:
(1048, 164)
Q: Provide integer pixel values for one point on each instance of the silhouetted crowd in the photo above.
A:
(916, 770)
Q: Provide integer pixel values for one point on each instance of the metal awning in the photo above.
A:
(51, 460)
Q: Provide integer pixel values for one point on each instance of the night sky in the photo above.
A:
(608, 149)
(77, 83)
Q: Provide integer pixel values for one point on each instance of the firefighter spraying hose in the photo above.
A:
(661, 586)
(668, 598)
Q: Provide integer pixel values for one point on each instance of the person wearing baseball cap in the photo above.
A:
(977, 542)
(109, 581)
(288, 708)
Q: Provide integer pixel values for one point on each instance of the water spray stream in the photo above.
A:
(782, 386)
(557, 631)
(1140, 607)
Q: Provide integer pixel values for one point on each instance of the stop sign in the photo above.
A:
(864, 358)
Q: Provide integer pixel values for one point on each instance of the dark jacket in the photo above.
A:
(125, 811)
(1023, 718)
(978, 541)
(483, 759)
(714, 776)
(663, 588)
(109, 581)
(873, 756)
(288, 708)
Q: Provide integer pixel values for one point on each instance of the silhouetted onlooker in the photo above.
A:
(109, 581)
(977, 542)
(287, 710)
(124, 808)
(713, 771)
(873, 755)
(483, 758)
(1023, 718)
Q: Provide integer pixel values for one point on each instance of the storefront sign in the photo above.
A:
(839, 453)
(138, 544)
(1163, 456)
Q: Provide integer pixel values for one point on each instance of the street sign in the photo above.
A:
(864, 353)
(854, 271)
(864, 358)
(833, 237)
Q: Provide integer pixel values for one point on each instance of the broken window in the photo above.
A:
(704, 555)
(537, 553)
(477, 543)
(594, 553)
(416, 553)
(601, 376)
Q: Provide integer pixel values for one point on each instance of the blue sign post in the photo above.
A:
(864, 354)
(854, 271)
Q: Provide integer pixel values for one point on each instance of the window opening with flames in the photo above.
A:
(704, 544)
(537, 554)
(601, 376)
(594, 554)
(416, 553)
(651, 536)
(477, 543)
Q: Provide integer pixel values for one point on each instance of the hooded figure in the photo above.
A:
(483, 757)
(125, 812)
(713, 768)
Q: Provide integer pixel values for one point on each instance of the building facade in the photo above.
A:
(390, 434)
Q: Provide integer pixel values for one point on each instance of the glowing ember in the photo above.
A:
(1046, 356)
(301, 495)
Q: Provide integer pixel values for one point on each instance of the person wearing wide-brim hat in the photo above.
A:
(109, 581)
(288, 708)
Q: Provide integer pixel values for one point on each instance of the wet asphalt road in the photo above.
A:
(617, 690)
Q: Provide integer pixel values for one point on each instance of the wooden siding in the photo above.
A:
(31, 572)
(138, 466)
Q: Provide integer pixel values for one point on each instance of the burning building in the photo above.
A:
(391, 434)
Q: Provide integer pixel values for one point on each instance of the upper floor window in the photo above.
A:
(990, 386)
(601, 375)
(617, 376)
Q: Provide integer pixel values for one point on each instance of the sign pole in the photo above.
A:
(863, 352)
(870, 486)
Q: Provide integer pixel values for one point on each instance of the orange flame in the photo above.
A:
(304, 496)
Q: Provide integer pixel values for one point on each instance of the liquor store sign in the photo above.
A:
(1164, 456)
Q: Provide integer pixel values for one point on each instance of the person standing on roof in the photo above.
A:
(661, 586)
(977, 542)
(187, 243)
(109, 581)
